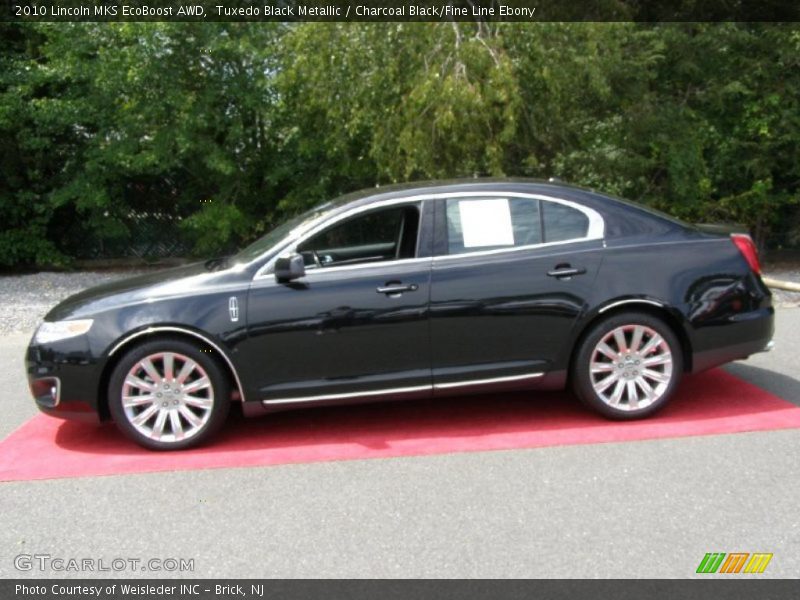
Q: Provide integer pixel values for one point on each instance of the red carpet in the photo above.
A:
(710, 403)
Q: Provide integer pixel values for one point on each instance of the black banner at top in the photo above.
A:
(400, 10)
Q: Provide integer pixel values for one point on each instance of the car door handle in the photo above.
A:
(566, 272)
(397, 289)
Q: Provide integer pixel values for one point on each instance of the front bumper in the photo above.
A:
(64, 380)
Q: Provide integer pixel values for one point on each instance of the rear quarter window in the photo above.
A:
(562, 223)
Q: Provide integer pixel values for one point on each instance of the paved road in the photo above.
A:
(636, 509)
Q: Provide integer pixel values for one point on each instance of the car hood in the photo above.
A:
(169, 283)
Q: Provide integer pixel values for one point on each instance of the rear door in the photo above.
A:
(510, 277)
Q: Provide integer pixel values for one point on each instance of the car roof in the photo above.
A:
(623, 218)
(384, 192)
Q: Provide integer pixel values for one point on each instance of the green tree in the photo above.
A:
(232, 126)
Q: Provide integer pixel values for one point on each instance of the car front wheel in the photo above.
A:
(628, 366)
(168, 394)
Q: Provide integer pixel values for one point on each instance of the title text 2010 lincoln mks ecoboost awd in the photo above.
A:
(410, 292)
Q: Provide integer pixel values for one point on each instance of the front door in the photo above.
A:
(357, 323)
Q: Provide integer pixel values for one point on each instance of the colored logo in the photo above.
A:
(735, 562)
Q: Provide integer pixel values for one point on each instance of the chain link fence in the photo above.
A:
(138, 235)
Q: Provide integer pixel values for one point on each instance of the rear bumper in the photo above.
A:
(743, 335)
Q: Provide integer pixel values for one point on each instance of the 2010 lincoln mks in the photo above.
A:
(410, 292)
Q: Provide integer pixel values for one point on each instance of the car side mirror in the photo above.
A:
(289, 268)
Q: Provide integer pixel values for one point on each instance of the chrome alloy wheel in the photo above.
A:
(167, 397)
(631, 367)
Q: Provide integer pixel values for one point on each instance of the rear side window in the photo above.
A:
(475, 224)
(562, 223)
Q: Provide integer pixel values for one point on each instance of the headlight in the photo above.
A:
(61, 330)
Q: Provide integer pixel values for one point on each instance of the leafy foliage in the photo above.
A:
(232, 126)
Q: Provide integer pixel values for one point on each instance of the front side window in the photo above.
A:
(379, 235)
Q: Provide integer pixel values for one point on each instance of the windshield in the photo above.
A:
(281, 232)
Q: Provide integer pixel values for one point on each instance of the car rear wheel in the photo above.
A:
(628, 366)
(168, 394)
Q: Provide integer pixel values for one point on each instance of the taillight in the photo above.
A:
(748, 249)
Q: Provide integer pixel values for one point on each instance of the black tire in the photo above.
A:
(627, 367)
(200, 405)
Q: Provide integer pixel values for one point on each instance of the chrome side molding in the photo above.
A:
(327, 397)
(457, 384)
(401, 390)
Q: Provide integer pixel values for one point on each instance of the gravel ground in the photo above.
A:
(785, 272)
(25, 299)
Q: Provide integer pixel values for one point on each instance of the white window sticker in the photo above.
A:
(486, 223)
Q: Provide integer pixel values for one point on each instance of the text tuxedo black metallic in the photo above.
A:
(410, 292)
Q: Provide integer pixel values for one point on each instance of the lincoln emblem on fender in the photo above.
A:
(233, 308)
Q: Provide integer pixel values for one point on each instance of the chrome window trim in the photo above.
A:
(380, 263)
(596, 230)
(402, 390)
(157, 329)
(314, 274)
(449, 257)
(629, 301)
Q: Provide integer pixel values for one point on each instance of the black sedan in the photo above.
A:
(410, 292)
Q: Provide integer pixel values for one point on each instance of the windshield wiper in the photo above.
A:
(216, 264)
